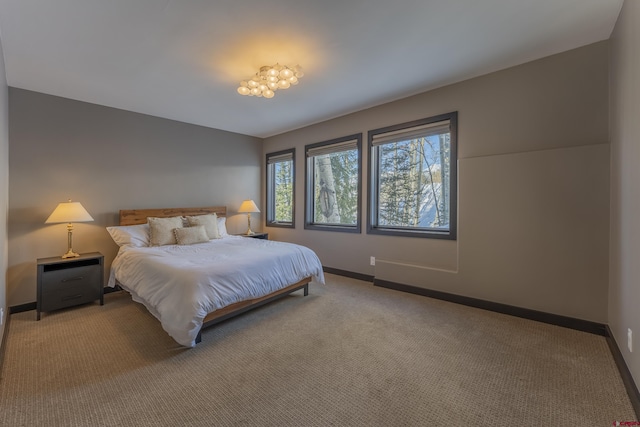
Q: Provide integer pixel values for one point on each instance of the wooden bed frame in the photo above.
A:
(139, 216)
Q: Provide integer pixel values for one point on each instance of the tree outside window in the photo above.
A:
(413, 178)
(333, 184)
(281, 189)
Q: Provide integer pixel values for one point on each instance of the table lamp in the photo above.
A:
(248, 207)
(69, 212)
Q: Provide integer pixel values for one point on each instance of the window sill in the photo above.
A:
(425, 234)
(280, 224)
(338, 228)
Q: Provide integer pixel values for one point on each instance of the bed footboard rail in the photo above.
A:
(243, 306)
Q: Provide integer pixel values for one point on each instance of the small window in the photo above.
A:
(281, 189)
(333, 184)
(413, 177)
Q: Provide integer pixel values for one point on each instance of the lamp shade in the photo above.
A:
(69, 212)
(248, 206)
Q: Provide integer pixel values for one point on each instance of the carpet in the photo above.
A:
(348, 354)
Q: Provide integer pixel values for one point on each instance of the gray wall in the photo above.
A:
(624, 287)
(108, 160)
(4, 188)
(533, 189)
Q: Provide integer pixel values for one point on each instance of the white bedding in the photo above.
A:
(179, 285)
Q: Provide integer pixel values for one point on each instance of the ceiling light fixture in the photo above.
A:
(269, 79)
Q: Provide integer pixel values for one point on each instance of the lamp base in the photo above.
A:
(249, 232)
(70, 254)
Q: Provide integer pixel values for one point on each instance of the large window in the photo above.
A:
(281, 189)
(333, 184)
(413, 178)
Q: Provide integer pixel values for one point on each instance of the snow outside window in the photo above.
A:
(413, 178)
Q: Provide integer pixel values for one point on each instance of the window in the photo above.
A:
(333, 184)
(413, 178)
(281, 189)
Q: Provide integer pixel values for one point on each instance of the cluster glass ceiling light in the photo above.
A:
(269, 79)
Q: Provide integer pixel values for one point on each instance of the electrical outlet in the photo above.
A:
(630, 339)
(372, 261)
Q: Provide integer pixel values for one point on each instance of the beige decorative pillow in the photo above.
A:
(191, 235)
(161, 230)
(209, 221)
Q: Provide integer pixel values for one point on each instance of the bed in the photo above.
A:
(188, 287)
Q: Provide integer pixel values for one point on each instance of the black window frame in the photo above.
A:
(373, 182)
(270, 190)
(309, 224)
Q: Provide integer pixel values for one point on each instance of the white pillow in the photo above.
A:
(191, 235)
(209, 221)
(161, 230)
(130, 235)
(222, 226)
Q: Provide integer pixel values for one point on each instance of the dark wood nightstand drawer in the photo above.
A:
(61, 280)
(69, 296)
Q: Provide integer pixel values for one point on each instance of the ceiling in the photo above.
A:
(183, 59)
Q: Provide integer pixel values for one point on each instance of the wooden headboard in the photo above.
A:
(139, 216)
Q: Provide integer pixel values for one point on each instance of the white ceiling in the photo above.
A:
(183, 59)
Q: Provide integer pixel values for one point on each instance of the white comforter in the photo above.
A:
(179, 285)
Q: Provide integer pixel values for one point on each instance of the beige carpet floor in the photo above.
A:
(349, 354)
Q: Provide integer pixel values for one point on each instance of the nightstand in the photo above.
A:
(264, 236)
(67, 282)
